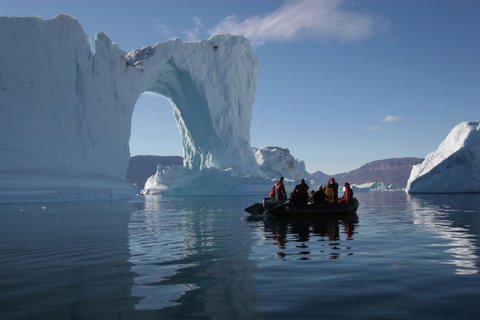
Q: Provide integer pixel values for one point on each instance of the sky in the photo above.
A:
(340, 84)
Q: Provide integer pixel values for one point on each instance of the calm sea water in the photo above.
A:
(401, 257)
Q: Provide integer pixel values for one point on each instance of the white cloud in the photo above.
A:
(197, 32)
(299, 19)
(391, 118)
(162, 29)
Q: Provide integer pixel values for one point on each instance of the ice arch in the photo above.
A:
(65, 110)
(211, 86)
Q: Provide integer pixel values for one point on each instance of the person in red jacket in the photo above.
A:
(347, 194)
(278, 191)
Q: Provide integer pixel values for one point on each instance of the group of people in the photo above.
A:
(325, 194)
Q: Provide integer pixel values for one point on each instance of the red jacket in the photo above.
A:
(347, 195)
(278, 188)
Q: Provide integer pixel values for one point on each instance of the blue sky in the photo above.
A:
(341, 83)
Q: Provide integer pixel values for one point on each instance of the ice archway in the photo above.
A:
(211, 86)
(66, 110)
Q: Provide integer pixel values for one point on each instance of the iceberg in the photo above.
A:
(66, 110)
(177, 180)
(272, 163)
(372, 186)
(275, 162)
(211, 86)
(454, 167)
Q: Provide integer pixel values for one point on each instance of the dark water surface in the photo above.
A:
(401, 257)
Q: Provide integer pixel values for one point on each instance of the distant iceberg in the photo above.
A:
(372, 186)
(454, 167)
(275, 162)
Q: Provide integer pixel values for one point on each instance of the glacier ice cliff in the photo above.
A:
(65, 110)
(454, 167)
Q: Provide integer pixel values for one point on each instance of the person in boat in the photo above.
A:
(334, 186)
(347, 194)
(329, 195)
(319, 195)
(300, 194)
(278, 191)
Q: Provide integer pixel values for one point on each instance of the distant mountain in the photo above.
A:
(142, 167)
(319, 177)
(393, 172)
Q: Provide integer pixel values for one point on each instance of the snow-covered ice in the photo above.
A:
(454, 167)
(66, 109)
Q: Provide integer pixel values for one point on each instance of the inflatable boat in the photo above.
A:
(270, 206)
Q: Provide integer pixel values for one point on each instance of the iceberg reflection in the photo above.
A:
(191, 256)
(454, 219)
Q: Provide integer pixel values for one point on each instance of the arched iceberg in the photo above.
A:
(66, 110)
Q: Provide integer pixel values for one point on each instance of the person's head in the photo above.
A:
(347, 185)
(281, 179)
(303, 181)
(332, 180)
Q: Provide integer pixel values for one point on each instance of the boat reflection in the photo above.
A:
(454, 219)
(306, 238)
